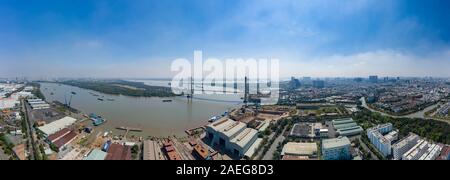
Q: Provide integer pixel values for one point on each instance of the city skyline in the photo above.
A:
(117, 39)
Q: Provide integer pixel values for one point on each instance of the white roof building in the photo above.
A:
(264, 126)
(299, 149)
(251, 151)
(25, 94)
(10, 102)
(57, 125)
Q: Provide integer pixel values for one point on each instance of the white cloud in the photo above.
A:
(382, 62)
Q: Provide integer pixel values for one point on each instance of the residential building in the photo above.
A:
(423, 150)
(373, 79)
(318, 84)
(404, 145)
(382, 137)
(62, 142)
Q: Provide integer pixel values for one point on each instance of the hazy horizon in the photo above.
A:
(380, 78)
(140, 39)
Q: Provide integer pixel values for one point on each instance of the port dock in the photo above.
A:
(128, 129)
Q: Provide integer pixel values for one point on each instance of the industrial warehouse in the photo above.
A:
(347, 127)
(56, 126)
(37, 104)
(304, 151)
(234, 136)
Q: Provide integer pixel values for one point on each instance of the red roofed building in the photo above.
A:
(58, 135)
(19, 151)
(445, 154)
(173, 155)
(119, 152)
(167, 143)
(65, 140)
(201, 152)
(169, 148)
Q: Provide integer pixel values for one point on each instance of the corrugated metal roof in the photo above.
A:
(119, 152)
(96, 154)
(336, 142)
(57, 125)
(299, 149)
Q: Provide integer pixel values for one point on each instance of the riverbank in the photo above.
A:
(419, 114)
(155, 117)
(121, 87)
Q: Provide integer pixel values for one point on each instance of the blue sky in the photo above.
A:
(140, 38)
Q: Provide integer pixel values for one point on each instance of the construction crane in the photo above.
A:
(70, 100)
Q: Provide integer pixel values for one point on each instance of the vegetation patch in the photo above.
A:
(121, 87)
(436, 131)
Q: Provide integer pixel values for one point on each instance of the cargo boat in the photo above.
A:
(96, 120)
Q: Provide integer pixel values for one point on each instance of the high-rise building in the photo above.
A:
(319, 84)
(382, 137)
(306, 80)
(373, 79)
(336, 149)
(404, 145)
(358, 79)
(294, 83)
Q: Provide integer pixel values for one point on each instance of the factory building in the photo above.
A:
(37, 104)
(233, 136)
(61, 138)
(119, 152)
(58, 135)
(346, 127)
(300, 149)
(62, 142)
(57, 125)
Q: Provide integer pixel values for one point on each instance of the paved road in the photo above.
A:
(273, 147)
(364, 146)
(30, 131)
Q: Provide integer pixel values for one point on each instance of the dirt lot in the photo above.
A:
(48, 115)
